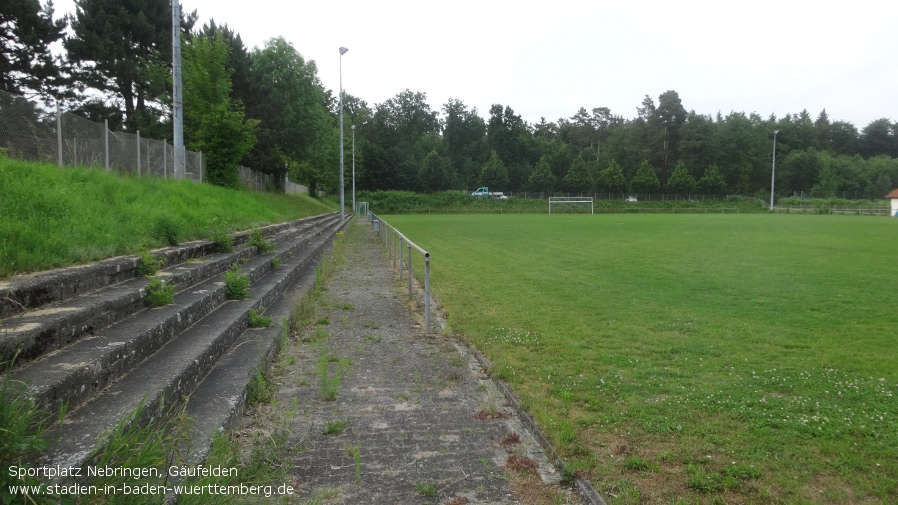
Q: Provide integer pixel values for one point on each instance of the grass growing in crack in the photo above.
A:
(330, 382)
(149, 264)
(355, 452)
(276, 262)
(335, 427)
(257, 320)
(160, 292)
(236, 282)
(257, 240)
(261, 390)
(427, 490)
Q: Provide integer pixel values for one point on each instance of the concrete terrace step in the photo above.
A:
(80, 370)
(30, 334)
(218, 401)
(171, 373)
(32, 291)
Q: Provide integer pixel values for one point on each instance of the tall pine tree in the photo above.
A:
(27, 30)
(123, 49)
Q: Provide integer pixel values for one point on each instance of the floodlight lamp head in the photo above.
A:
(343, 50)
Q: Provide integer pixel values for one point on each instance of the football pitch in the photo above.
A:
(689, 358)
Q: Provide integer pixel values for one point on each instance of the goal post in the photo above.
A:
(572, 200)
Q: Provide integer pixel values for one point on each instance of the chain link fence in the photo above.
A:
(30, 132)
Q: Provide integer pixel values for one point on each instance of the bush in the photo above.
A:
(149, 264)
(160, 292)
(237, 283)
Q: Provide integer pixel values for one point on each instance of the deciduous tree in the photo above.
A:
(711, 183)
(577, 179)
(296, 127)
(681, 181)
(213, 122)
(611, 179)
(645, 180)
(542, 179)
(494, 174)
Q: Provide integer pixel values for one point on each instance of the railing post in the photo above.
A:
(427, 292)
(409, 269)
(401, 258)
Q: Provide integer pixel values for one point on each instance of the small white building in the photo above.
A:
(893, 198)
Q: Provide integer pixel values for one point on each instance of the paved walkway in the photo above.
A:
(413, 418)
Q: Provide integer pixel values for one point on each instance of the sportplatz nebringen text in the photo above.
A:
(137, 474)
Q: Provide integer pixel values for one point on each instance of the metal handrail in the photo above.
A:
(395, 242)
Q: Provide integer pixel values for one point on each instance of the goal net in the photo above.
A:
(571, 204)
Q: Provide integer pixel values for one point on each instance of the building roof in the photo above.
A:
(893, 194)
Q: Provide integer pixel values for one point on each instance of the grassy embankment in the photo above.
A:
(55, 217)
(689, 358)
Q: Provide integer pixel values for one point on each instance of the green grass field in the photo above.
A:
(689, 358)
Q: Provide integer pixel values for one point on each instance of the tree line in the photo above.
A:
(266, 108)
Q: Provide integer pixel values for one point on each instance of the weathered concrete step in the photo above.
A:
(219, 400)
(172, 373)
(80, 370)
(32, 291)
(29, 335)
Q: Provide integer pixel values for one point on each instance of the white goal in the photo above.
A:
(568, 201)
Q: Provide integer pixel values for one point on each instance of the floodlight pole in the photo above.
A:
(179, 169)
(773, 171)
(353, 170)
(342, 210)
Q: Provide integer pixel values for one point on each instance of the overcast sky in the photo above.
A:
(770, 57)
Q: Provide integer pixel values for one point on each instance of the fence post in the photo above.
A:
(165, 159)
(59, 132)
(201, 166)
(138, 153)
(106, 143)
